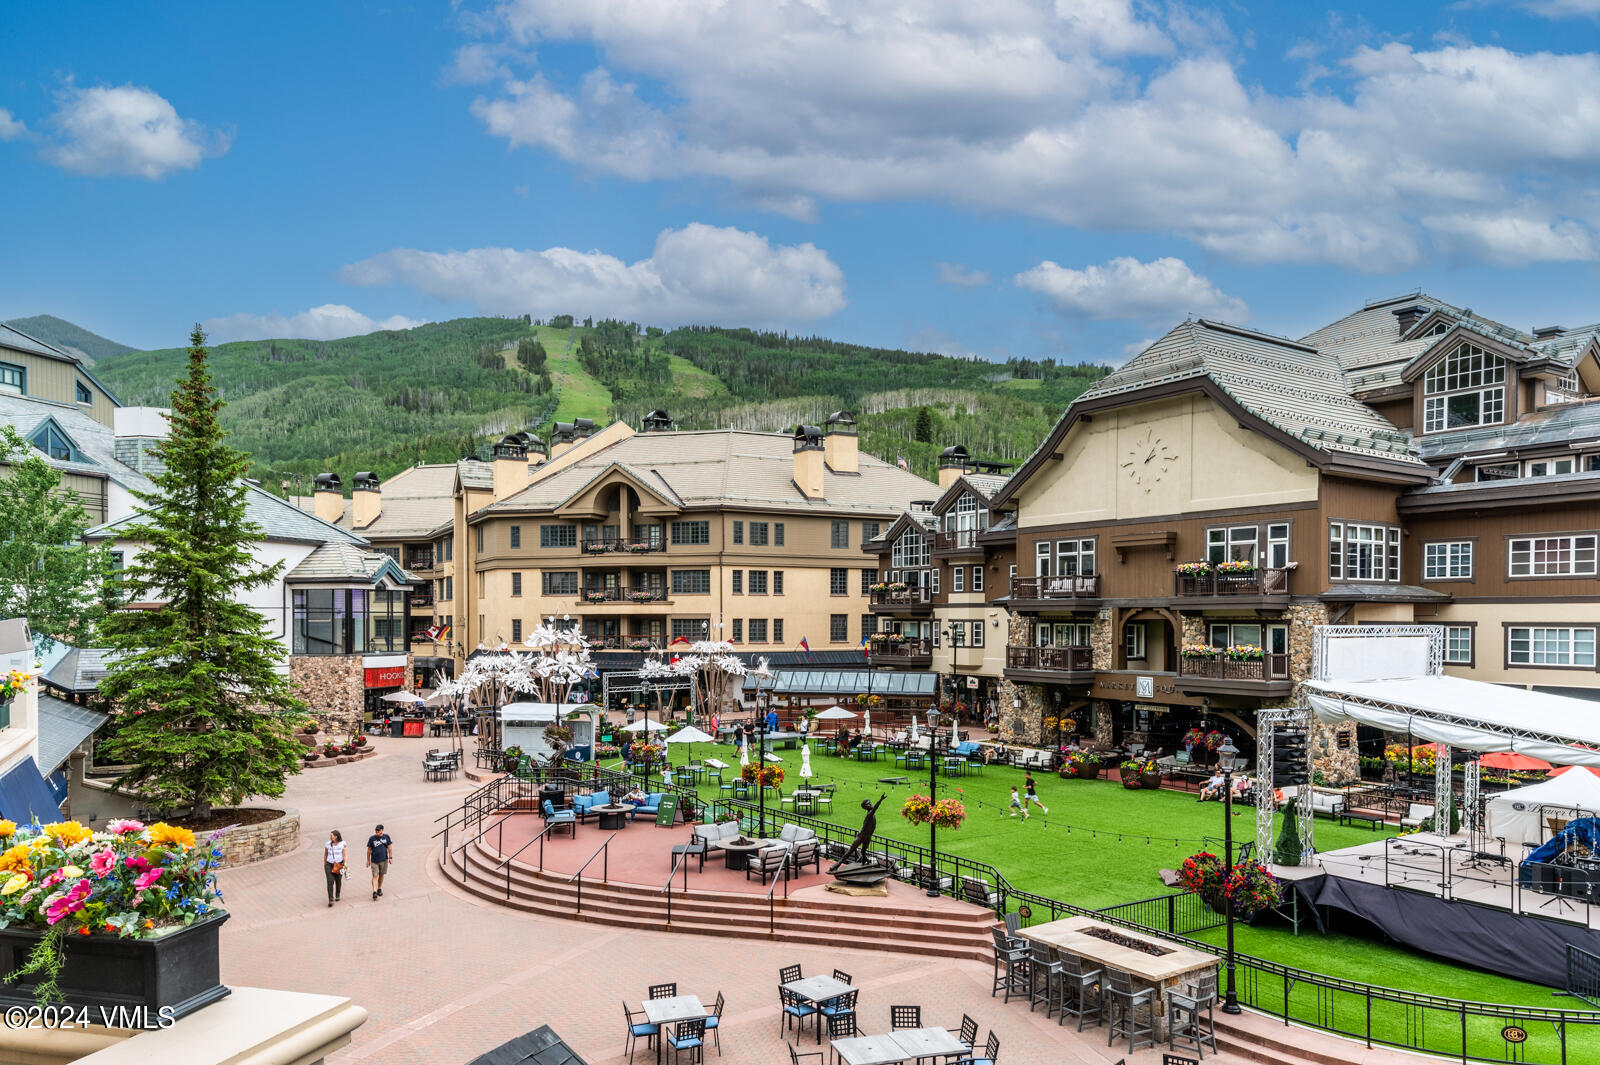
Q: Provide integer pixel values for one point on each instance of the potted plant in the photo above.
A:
(1236, 567)
(309, 756)
(511, 757)
(1085, 765)
(1203, 874)
(1129, 771)
(1198, 650)
(944, 813)
(133, 900)
(1250, 889)
(359, 741)
(330, 750)
(1244, 652)
(595, 595)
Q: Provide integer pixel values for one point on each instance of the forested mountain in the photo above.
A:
(73, 339)
(434, 393)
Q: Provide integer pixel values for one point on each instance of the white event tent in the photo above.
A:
(1521, 815)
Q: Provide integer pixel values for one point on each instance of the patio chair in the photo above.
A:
(1081, 996)
(1010, 964)
(689, 1036)
(638, 1027)
(793, 1010)
(841, 1025)
(1044, 978)
(968, 1036)
(771, 862)
(842, 976)
(714, 1022)
(905, 1017)
(1013, 922)
(664, 990)
(1131, 1011)
(789, 974)
(844, 1005)
(557, 820)
(797, 1058)
(807, 852)
(1183, 1014)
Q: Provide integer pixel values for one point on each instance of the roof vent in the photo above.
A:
(658, 421)
(366, 481)
(807, 438)
(841, 421)
(582, 426)
(954, 455)
(329, 482)
(512, 446)
(1545, 332)
(1410, 315)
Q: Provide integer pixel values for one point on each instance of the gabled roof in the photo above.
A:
(17, 340)
(475, 473)
(346, 563)
(922, 521)
(80, 670)
(414, 504)
(983, 485)
(277, 518)
(95, 440)
(62, 727)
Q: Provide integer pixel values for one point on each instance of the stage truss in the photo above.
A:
(1322, 637)
(1268, 722)
(631, 682)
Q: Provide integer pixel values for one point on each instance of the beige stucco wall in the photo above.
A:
(1165, 457)
(1489, 639)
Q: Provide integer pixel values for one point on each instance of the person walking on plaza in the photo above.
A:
(333, 865)
(1016, 804)
(380, 850)
(1033, 791)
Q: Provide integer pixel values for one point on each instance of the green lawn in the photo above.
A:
(1102, 844)
(690, 380)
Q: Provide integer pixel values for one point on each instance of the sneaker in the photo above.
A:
(374, 896)
(380, 890)
(1046, 809)
(330, 904)
(1013, 813)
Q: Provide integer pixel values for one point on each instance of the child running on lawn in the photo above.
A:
(1016, 804)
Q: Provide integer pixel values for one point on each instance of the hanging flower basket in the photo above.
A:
(943, 813)
(1250, 889)
(647, 753)
(769, 776)
(1203, 874)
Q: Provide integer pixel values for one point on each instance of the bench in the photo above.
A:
(1323, 803)
(1371, 817)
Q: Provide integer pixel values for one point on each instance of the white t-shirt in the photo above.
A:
(333, 852)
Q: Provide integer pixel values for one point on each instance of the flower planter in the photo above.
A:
(1132, 783)
(1088, 772)
(141, 977)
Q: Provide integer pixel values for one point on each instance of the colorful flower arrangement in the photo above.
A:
(1236, 567)
(513, 753)
(1249, 889)
(639, 547)
(1136, 767)
(1192, 569)
(882, 637)
(1208, 739)
(595, 595)
(880, 586)
(330, 750)
(1244, 652)
(132, 881)
(1203, 874)
(1079, 760)
(644, 595)
(607, 750)
(595, 547)
(1198, 650)
(869, 701)
(647, 753)
(641, 644)
(12, 684)
(769, 776)
(943, 813)
(1423, 757)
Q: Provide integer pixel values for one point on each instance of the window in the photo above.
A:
(1363, 552)
(691, 628)
(330, 621)
(516, 630)
(1550, 647)
(758, 582)
(1552, 467)
(555, 536)
(738, 532)
(867, 577)
(839, 535)
(738, 630)
(777, 534)
(958, 634)
(1458, 644)
(910, 551)
(53, 442)
(1447, 561)
(838, 628)
(1439, 329)
(1075, 558)
(869, 625)
(1278, 545)
(1564, 389)
(13, 379)
(82, 393)
(1011, 576)
(977, 578)
(516, 537)
(1063, 633)
(1499, 471)
(869, 531)
(758, 630)
(777, 582)
(691, 582)
(738, 582)
(516, 584)
(933, 577)
(1235, 543)
(838, 582)
(977, 634)
(691, 532)
(447, 549)
(1553, 556)
(560, 582)
(479, 538)
(450, 588)
(1464, 389)
(1133, 640)
(958, 579)
(777, 630)
(112, 594)
(759, 535)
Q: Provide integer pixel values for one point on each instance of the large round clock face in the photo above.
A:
(1148, 460)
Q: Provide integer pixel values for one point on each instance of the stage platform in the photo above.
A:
(1436, 894)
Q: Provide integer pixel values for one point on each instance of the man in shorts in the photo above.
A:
(380, 852)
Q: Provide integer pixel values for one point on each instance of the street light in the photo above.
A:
(933, 784)
(1225, 757)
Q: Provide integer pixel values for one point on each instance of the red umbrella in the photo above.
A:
(1582, 768)
(1512, 760)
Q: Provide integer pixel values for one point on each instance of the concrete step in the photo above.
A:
(1254, 1044)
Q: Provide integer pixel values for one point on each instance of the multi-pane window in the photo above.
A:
(478, 531)
(1041, 558)
(1133, 640)
(516, 584)
(691, 628)
(777, 630)
(13, 379)
(1533, 646)
(1278, 545)
(516, 630)
(554, 536)
(1363, 552)
(838, 581)
(1458, 644)
(450, 588)
(910, 550)
(869, 531)
(1552, 467)
(838, 628)
(691, 582)
(1553, 556)
(560, 582)
(958, 579)
(869, 624)
(1464, 389)
(1074, 558)
(867, 577)
(516, 536)
(777, 534)
(738, 630)
(839, 534)
(777, 582)
(977, 578)
(758, 630)
(958, 634)
(1450, 560)
(738, 532)
(738, 582)
(977, 634)
(933, 579)
(83, 393)
(447, 548)
(1564, 389)
(691, 532)
(758, 582)
(53, 443)
(760, 534)
(1234, 543)
(341, 621)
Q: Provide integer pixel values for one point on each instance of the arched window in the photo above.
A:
(1464, 389)
(910, 551)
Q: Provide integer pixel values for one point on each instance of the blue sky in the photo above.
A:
(1006, 178)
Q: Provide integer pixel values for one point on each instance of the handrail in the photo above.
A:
(667, 887)
(605, 869)
(772, 912)
(506, 863)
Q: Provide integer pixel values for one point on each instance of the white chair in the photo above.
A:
(1418, 813)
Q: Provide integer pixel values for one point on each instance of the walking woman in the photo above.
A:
(333, 864)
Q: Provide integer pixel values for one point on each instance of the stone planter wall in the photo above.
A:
(255, 843)
(324, 761)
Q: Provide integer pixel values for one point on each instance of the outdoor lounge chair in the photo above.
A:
(556, 819)
(1418, 813)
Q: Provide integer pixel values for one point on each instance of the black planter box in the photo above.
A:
(181, 969)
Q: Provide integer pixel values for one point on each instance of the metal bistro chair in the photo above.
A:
(1010, 964)
(968, 1036)
(843, 1006)
(1080, 991)
(639, 1027)
(991, 1053)
(905, 1017)
(789, 974)
(664, 990)
(842, 1026)
(1131, 1012)
(796, 1058)
(1044, 979)
(794, 1011)
(1183, 1014)
(714, 1022)
(689, 1035)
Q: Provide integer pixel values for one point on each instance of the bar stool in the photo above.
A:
(1044, 979)
(1124, 1006)
(1183, 1014)
(1010, 964)
(1080, 991)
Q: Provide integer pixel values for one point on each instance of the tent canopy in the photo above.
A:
(1466, 713)
(1518, 815)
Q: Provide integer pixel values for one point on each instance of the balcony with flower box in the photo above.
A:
(627, 643)
(620, 596)
(420, 595)
(1058, 593)
(905, 652)
(1199, 585)
(617, 550)
(1055, 665)
(896, 598)
(1242, 670)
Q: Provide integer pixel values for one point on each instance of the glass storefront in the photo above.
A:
(346, 621)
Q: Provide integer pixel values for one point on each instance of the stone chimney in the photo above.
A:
(366, 498)
(808, 461)
(327, 498)
(510, 465)
(953, 462)
(840, 448)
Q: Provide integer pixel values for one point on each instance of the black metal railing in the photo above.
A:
(619, 594)
(1270, 666)
(620, 546)
(603, 852)
(1583, 975)
(505, 863)
(1061, 659)
(1085, 587)
(891, 651)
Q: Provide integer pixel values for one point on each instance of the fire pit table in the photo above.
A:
(738, 854)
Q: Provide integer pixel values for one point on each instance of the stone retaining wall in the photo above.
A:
(255, 843)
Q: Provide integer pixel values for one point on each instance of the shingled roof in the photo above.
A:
(336, 562)
(277, 518)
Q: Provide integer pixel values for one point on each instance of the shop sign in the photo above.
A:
(385, 676)
(1123, 687)
(1151, 708)
(1144, 687)
(972, 682)
(1511, 1033)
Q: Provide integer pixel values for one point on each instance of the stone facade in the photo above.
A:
(1022, 706)
(333, 689)
(1103, 641)
(255, 843)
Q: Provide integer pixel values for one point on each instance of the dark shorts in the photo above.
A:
(381, 868)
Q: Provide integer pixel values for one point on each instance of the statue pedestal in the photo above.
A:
(880, 890)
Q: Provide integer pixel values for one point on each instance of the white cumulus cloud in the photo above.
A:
(958, 276)
(10, 127)
(126, 131)
(1126, 288)
(699, 273)
(331, 321)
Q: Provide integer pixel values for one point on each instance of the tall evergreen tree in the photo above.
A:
(203, 715)
(923, 431)
(47, 574)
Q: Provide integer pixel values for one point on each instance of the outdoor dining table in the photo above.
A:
(817, 990)
(909, 1044)
(665, 1011)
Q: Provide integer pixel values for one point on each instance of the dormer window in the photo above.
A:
(1564, 389)
(55, 443)
(13, 379)
(1464, 389)
(910, 551)
(1439, 329)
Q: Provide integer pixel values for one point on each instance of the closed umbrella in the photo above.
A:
(744, 753)
(867, 724)
(805, 762)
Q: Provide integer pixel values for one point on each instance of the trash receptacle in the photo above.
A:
(397, 726)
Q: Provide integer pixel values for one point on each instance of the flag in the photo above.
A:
(433, 632)
(805, 645)
(444, 633)
(900, 460)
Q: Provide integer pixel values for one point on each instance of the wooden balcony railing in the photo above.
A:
(623, 595)
(958, 540)
(1218, 667)
(908, 597)
(1056, 587)
(421, 598)
(623, 547)
(419, 560)
(901, 650)
(1061, 659)
(1260, 582)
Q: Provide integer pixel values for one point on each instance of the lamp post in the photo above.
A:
(933, 785)
(1225, 755)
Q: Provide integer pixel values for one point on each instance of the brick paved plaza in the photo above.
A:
(446, 976)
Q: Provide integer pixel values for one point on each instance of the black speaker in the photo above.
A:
(1289, 762)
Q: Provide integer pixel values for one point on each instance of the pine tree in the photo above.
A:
(923, 432)
(47, 574)
(203, 716)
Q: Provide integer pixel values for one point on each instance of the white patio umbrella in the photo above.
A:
(690, 735)
(439, 698)
(643, 724)
(835, 713)
(744, 753)
(914, 735)
(805, 761)
(867, 724)
(402, 697)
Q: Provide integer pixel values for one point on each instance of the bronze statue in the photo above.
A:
(854, 866)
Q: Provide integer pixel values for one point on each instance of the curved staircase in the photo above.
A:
(879, 924)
